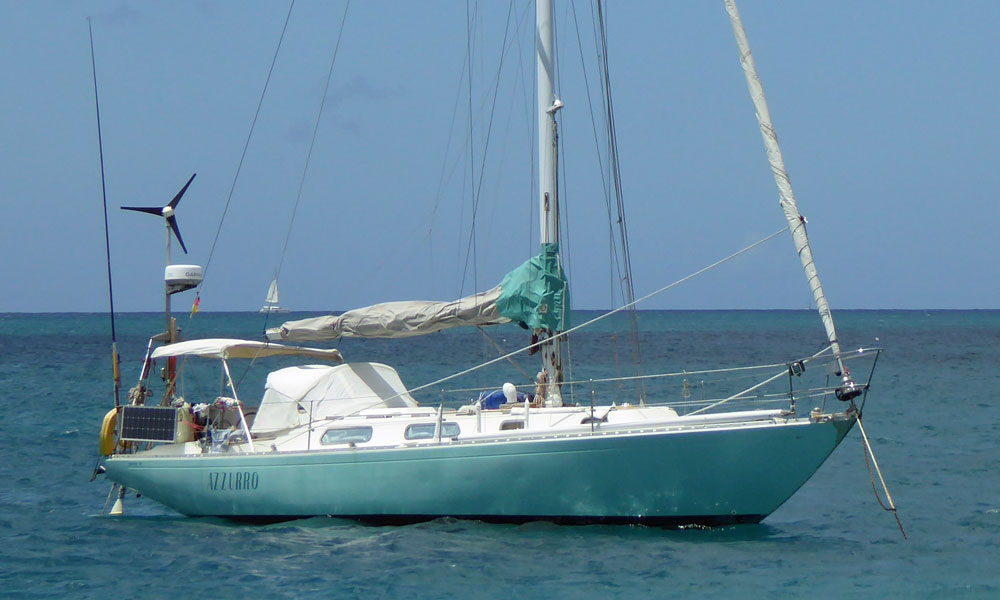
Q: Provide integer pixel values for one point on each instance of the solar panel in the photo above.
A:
(149, 423)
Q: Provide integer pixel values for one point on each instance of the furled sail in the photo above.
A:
(535, 294)
(796, 222)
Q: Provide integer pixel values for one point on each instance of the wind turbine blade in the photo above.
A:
(177, 198)
(173, 225)
(146, 209)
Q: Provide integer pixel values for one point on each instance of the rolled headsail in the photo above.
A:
(796, 222)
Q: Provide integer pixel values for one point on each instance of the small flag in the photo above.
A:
(197, 302)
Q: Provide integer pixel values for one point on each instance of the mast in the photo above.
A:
(796, 222)
(548, 105)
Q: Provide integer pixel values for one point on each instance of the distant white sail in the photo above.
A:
(272, 292)
(271, 302)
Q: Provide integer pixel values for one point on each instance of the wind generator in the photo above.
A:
(177, 278)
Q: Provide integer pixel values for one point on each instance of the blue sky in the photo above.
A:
(886, 113)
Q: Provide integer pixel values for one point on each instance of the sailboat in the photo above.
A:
(271, 304)
(349, 439)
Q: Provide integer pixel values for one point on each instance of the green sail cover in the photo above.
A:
(537, 293)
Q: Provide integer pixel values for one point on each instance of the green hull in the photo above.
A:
(709, 476)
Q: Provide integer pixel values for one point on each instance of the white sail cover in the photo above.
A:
(396, 319)
(294, 394)
(796, 222)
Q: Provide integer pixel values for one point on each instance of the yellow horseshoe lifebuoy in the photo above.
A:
(107, 440)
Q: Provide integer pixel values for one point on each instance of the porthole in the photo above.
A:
(346, 435)
(425, 431)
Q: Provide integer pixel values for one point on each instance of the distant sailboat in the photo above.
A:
(271, 302)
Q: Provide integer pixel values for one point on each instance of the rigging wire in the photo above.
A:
(529, 119)
(447, 149)
(612, 246)
(684, 373)
(312, 141)
(305, 170)
(561, 192)
(597, 144)
(740, 395)
(619, 262)
(472, 153)
(471, 250)
(601, 317)
(493, 342)
(533, 227)
(477, 193)
(628, 283)
(615, 260)
(246, 145)
(449, 167)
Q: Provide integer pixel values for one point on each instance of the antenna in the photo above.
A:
(107, 239)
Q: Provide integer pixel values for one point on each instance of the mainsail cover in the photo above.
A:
(395, 319)
(535, 294)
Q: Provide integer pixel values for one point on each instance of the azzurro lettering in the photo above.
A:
(232, 480)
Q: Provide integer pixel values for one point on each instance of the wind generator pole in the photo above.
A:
(171, 333)
(548, 105)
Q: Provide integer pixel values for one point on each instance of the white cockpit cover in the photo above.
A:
(292, 394)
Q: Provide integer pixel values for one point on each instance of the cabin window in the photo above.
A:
(425, 431)
(508, 425)
(346, 435)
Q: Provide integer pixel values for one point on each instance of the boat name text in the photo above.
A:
(232, 480)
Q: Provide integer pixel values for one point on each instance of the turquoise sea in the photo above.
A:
(932, 417)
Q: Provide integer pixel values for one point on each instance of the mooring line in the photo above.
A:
(869, 452)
